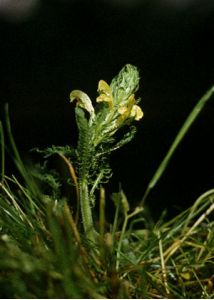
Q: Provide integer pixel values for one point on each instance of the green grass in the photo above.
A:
(46, 251)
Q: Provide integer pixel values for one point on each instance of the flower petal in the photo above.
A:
(83, 100)
(105, 92)
(136, 112)
(122, 110)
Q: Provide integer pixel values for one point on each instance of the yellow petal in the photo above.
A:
(104, 88)
(136, 112)
(131, 100)
(82, 100)
(126, 110)
(131, 110)
(105, 92)
(122, 110)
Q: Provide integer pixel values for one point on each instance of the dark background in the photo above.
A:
(63, 45)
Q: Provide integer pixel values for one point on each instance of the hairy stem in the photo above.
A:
(86, 209)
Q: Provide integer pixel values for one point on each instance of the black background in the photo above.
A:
(68, 45)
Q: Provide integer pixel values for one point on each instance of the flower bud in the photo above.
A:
(125, 84)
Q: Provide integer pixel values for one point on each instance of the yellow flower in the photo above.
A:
(122, 110)
(105, 93)
(130, 111)
(82, 100)
(136, 112)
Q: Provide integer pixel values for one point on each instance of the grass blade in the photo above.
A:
(181, 134)
(2, 152)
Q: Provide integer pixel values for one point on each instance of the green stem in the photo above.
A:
(121, 240)
(86, 209)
